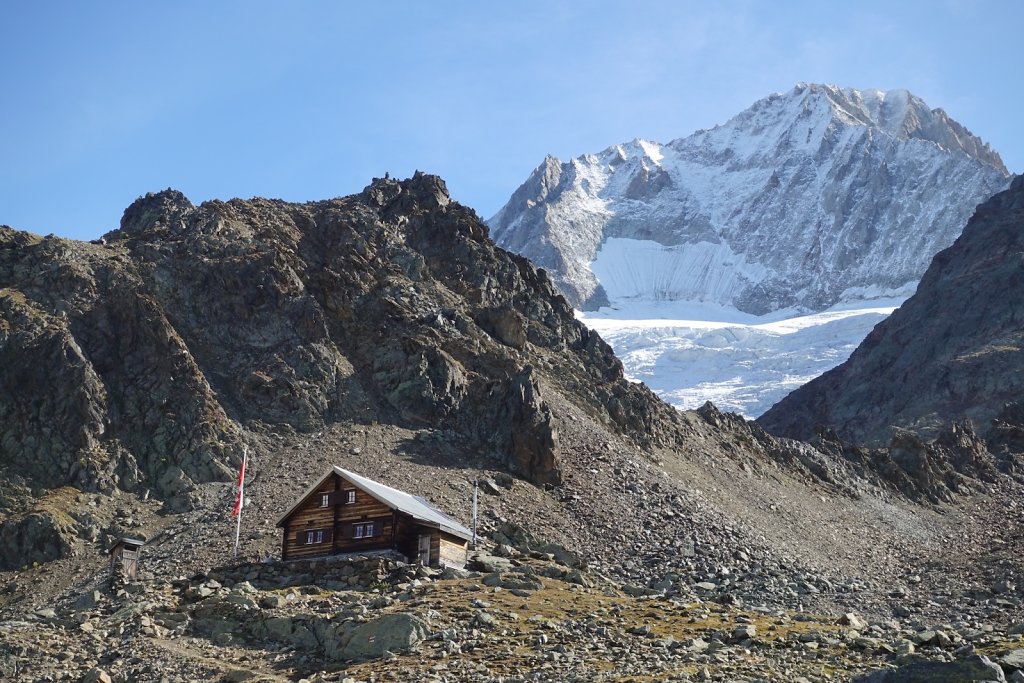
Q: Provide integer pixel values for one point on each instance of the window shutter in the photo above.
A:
(328, 536)
(300, 536)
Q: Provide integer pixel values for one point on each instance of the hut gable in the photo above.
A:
(345, 512)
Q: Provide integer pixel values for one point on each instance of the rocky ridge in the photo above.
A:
(951, 353)
(138, 363)
(870, 184)
(145, 363)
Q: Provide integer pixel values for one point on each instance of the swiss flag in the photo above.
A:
(241, 485)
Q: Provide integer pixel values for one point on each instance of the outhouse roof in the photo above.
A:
(125, 540)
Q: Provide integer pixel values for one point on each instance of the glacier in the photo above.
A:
(689, 354)
(815, 202)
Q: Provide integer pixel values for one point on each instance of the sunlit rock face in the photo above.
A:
(952, 352)
(806, 199)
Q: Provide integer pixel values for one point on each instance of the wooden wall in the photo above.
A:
(452, 550)
(336, 520)
(407, 536)
(310, 516)
(392, 530)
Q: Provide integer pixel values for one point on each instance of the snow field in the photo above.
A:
(740, 362)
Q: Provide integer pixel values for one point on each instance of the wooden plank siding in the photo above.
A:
(407, 536)
(435, 548)
(338, 519)
(310, 516)
(452, 551)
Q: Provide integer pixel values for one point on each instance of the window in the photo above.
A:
(363, 530)
(314, 537)
(350, 496)
(325, 500)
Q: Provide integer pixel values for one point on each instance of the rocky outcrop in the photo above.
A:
(533, 450)
(142, 360)
(36, 537)
(99, 388)
(956, 461)
(753, 443)
(952, 352)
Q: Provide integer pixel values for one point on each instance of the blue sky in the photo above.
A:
(304, 100)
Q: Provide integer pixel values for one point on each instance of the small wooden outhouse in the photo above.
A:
(346, 513)
(125, 554)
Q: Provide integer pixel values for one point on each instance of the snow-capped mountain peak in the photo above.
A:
(805, 199)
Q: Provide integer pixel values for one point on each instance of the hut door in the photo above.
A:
(424, 550)
(130, 563)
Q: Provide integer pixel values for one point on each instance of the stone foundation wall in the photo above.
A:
(341, 572)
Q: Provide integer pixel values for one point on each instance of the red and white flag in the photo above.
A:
(241, 485)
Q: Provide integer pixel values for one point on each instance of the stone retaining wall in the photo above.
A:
(342, 572)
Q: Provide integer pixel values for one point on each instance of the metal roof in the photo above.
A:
(415, 506)
(126, 540)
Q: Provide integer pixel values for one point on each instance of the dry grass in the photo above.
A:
(56, 504)
(521, 621)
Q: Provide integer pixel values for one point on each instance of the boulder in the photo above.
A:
(974, 668)
(39, 536)
(96, 675)
(534, 451)
(853, 621)
(389, 633)
(1013, 660)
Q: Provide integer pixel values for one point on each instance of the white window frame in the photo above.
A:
(319, 536)
(358, 532)
(325, 500)
(363, 530)
(314, 536)
(309, 538)
(368, 530)
(350, 496)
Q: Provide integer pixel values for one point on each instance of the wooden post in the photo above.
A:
(475, 485)
(241, 497)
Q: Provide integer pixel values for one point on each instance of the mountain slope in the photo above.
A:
(805, 199)
(383, 330)
(386, 333)
(136, 361)
(953, 351)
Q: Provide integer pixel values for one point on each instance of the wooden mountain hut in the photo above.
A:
(345, 513)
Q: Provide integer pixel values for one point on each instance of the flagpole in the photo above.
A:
(241, 497)
(475, 485)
